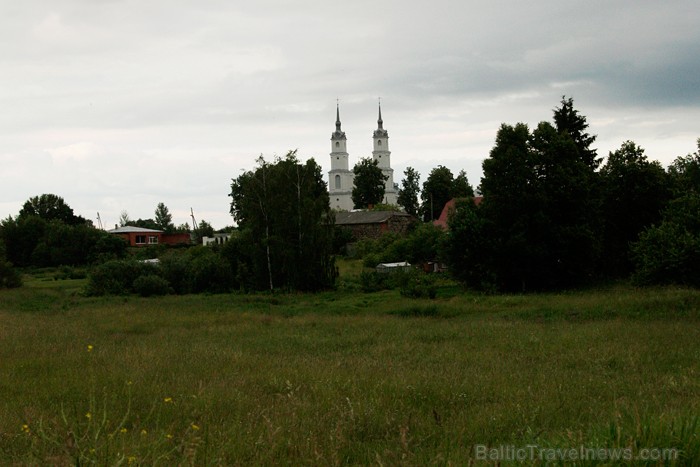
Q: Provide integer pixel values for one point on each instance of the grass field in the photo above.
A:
(343, 377)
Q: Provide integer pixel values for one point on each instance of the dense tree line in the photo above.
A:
(553, 218)
(46, 232)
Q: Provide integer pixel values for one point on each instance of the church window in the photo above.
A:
(337, 144)
(337, 181)
(379, 141)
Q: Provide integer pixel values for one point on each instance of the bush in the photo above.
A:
(372, 281)
(175, 269)
(117, 277)
(211, 273)
(9, 277)
(667, 254)
(150, 285)
(417, 284)
(670, 252)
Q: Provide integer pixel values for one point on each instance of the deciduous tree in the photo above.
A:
(283, 209)
(408, 193)
(369, 186)
(50, 207)
(437, 190)
(634, 193)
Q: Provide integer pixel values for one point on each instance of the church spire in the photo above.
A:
(338, 134)
(380, 132)
(337, 117)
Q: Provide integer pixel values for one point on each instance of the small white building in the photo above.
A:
(393, 267)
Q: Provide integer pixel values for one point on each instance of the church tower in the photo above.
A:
(340, 177)
(382, 155)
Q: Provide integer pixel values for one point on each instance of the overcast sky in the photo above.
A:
(121, 104)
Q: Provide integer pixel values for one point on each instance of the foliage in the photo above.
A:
(437, 191)
(570, 123)
(408, 193)
(204, 229)
(369, 183)
(684, 173)
(461, 188)
(670, 252)
(33, 241)
(538, 225)
(467, 249)
(9, 276)
(283, 209)
(50, 207)
(421, 244)
(634, 193)
(124, 219)
(163, 218)
(117, 277)
(145, 224)
(417, 284)
(151, 285)
(210, 273)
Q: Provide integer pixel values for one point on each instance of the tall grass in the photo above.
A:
(343, 377)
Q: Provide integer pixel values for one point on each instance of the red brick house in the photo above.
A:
(138, 236)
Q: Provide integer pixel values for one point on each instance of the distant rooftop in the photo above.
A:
(132, 229)
(366, 217)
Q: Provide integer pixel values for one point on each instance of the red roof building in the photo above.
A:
(447, 211)
(138, 236)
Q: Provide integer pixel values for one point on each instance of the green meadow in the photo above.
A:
(344, 377)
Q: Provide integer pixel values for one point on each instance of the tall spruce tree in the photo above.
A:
(163, 218)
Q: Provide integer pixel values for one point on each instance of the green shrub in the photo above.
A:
(9, 277)
(417, 284)
(211, 273)
(117, 277)
(150, 285)
(175, 269)
(371, 260)
(372, 281)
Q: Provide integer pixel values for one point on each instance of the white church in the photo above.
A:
(341, 177)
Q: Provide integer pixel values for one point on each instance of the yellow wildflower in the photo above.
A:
(144, 432)
(123, 430)
(90, 347)
(88, 415)
(168, 400)
(195, 427)
(169, 436)
(25, 428)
